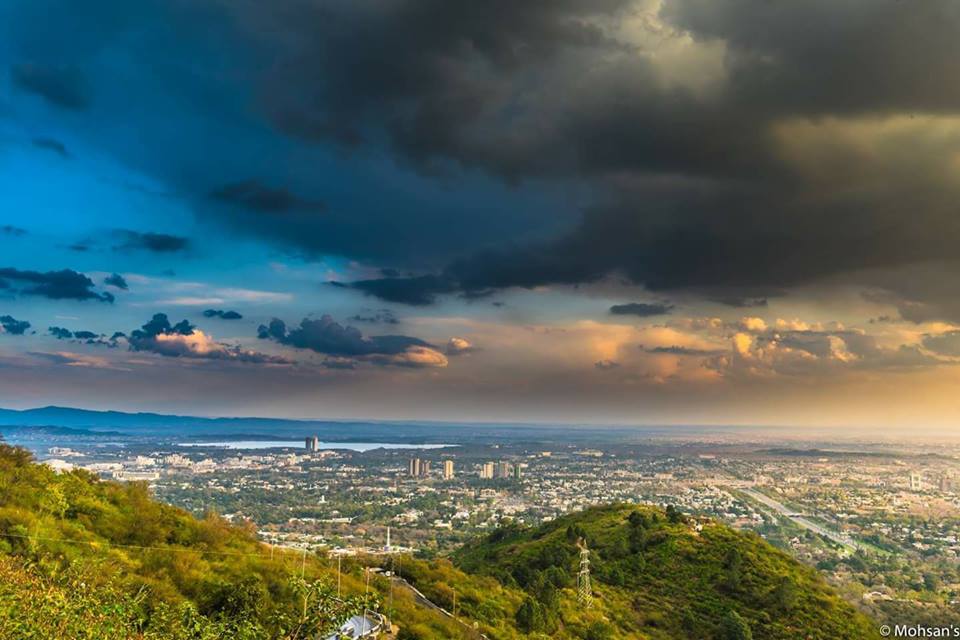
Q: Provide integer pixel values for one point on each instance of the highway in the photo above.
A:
(835, 536)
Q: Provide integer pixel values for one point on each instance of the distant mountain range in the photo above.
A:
(156, 424)
(70, 417)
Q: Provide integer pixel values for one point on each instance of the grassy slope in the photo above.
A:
(667, 581)
(143, 569)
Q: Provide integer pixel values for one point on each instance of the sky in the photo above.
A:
(614, 211)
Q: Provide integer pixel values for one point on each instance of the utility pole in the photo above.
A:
(339, 557)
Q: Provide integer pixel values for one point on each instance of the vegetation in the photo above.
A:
(90, 559)
(83, 558)
(658, 574)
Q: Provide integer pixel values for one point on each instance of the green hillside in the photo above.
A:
(84, 558)
(655, 574)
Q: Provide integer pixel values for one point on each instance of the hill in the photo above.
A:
(84, 558)
(655, 574)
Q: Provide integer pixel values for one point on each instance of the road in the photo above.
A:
(424, 601)
(830, 534)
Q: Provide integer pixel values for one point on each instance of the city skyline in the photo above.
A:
(620, 212)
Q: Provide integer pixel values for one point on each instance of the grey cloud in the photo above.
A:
(256, 196)
(947, 343)
(149, 241)
(641, 309)
(60, 333)
(86, 337)
(223, 315)
(116, 280)
(12, 326)
(379, 316)
(65, 284)
(161, 337)
(326, 336)
(684, 351)
(693, 185)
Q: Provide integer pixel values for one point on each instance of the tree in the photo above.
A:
(733, 569)
(734, 627)
(673, 515)
(785, 594)
(638, 519)
(529, 616)
(599, 631)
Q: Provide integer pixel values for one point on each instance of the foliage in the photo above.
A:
(92, 559)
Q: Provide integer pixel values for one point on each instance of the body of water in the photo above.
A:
(298, 444)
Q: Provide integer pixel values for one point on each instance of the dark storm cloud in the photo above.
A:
(223, 315)
(324, 335)
(730, 214)
(116, 280)
(60, 86)
(641, 309)
(65, 284)
(14, 327)
(440, 70)
(692, 186)
(149, 241)
(255, 196)
(418, 291)
(481, 84)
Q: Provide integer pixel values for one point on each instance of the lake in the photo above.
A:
(299, 444)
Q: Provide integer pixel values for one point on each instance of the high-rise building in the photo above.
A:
(486, 471)
(504, 469)
(312, 443)
(516, 472)
(448, 469)
(418, 468)
(916, 481)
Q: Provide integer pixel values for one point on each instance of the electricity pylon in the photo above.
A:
(584, 590)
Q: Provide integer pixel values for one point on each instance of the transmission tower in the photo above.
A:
(584, 591)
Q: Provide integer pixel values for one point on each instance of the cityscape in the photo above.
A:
(433, 320)
(881, 521)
